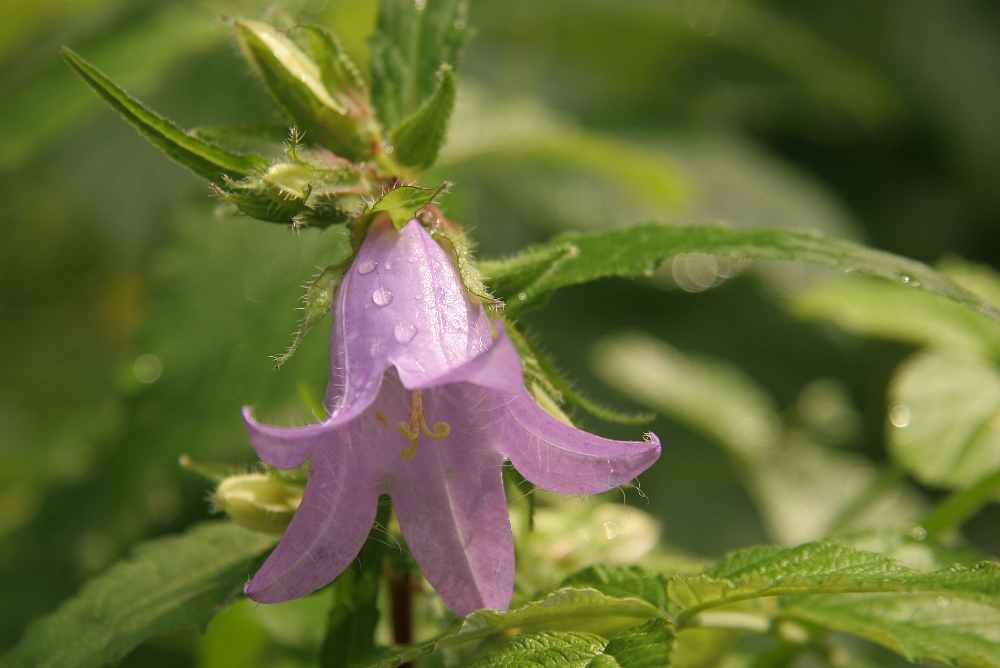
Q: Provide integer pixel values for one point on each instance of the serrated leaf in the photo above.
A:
(403, 203)
(318, 302)
(411, 43)
(944, 422)
(545, 650)
(823, 568)
(648, 645)
(917, 626)
(167, 584)
(296, 84)
(524, 280)
(143, 46)
(622, 582)
(208, 160)
(418, 139)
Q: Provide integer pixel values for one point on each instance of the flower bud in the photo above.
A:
(258, 501)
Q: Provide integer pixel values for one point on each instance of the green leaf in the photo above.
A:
(525, 280)
(403, 203)
(411, 43)
(417, 140)
(167, 584)
(141, 47)
(622, 582)
(945, 406)
(354, 614)
(567, 607)
(823, 568)
(648, 645)
(204, 158)
(897, 313)
(296, 84)
(917, 626)
(318, 302)
(546, 649)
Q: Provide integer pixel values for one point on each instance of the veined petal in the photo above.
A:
(282, 447)
(402, 304)
(452, 510)
(332, 522)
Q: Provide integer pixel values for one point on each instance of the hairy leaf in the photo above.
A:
(548, 649)
(622, 582)
(411, 43)
(648, 645)
(417, 140)
(167, 584)
(823, 568)
(526, 279)
(208, 160)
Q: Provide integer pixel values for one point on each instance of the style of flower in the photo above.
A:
(410, 348)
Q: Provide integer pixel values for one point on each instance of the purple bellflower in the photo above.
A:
(410, 349)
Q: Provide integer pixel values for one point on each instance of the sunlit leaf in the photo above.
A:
(548, 649)
(210, 161)
(824, 568)
(622, 582)
(918, 626)
(167, 584)
(944, 417)
(525, 281)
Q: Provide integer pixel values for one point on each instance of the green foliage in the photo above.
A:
(548, 648)
(648, 645)
(207, 160)
(526, 279)
(622, 582)
(167, 584)
(823, 568)
(417, 140)
(919, 627)
(411, 43)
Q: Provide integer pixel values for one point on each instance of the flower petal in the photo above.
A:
(561, 458)
(402, 304)
(331, 524)
(452, 511)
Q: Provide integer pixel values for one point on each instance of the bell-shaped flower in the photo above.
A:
(425, 404)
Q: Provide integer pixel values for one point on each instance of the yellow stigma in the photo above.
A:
(419, 424)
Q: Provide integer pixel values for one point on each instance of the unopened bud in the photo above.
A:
(258, 501)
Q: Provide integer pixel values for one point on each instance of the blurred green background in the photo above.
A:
(134, 322)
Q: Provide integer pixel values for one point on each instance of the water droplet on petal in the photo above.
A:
(404, 331)
(367, 267)
(382, 297)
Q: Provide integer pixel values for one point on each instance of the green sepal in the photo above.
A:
(411, 43)
(296, 84)
(318, 302)
(539, 368)
(206, 159)
(457, 243)
(339, 73)
(403, 203)
(263, 203)
(417, 140)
